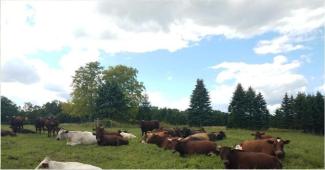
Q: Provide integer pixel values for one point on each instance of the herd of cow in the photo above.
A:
(264, 152)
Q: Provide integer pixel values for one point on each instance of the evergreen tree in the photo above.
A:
(111, 102)
(299, 108)
(307, 117)
(200, 107)
(252, 116)
(319, 113)
(237, 108)
(144, 109)
(262, 119)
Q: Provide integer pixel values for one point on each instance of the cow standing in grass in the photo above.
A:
(17, 123)
(148, 126)
(40, 124)
(52, 126)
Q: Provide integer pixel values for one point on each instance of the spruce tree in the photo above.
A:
(299, 109)
(319, 113)
(237, 108)
(200, 107)
(263, 117)
(251, 113)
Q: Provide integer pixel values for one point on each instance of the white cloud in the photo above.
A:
(158, 99)
(132, 26)
(271, 79)
(276, 45)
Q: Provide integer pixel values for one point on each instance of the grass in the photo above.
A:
(27, 150)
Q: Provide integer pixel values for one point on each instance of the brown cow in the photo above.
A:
(261, 135)
(237, 159)
(272, 146)
(7, 133)
(195, 147)
(170, 142)
(113, 140)
(148, 126)
(52, 126)
(17, 123)
(40, 124)
(148, 135)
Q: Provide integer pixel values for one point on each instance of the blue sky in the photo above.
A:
(274, 50)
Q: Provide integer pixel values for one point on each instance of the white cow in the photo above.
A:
(127, 135)
(77, 137)
(49, 164)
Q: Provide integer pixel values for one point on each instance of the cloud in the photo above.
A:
(158, 99)
(19, 71)
(273, 80)
(275, 46)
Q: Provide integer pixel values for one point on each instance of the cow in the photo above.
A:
(7, 133)
(195, 147)
(149, 134)
(272, 146)
(47, 163)
(17, 123)
(40, 124)
(198, 136)
(104, 139)
(148, 126)
(238, 159)
(26, 131)
(76, 137)
(52, 126)
(126, 135)
(261, 135)
(170, 142)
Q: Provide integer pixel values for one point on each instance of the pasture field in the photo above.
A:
(27, 150)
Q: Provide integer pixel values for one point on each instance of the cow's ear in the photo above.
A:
(286, 141)
(253, 134)
(66, 131)
(270, 141)
(262, 133)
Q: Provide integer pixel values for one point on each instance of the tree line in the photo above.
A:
(303, 112)
(115, 93)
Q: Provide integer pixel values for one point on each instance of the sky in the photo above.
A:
(274, 46)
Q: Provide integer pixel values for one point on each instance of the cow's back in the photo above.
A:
(257, 146)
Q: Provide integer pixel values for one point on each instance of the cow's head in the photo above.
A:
(62, 134)
(278, 146)
(99, 132)
(258, 135)
(225, 153)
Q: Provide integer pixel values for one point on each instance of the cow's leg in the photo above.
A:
(48, 132)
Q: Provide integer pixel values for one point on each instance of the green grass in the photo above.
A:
(27, 150)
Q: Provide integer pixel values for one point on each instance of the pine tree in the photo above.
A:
(251, 113)
(200, 107)
(263, 117)
(299, 109)
(319, 113)
(237, 109)
(307, 117)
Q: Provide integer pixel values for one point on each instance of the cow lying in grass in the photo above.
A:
(238, 159)
(272, 146)
(104, 139)
(126, 135)
(7, 133)
(195, 146)
(49, 164)
(261, 135)
(76, 137)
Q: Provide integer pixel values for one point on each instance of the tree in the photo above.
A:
(319, 113)
(200, 106)
(111, 102)
(85, 85)
(299, 108)
(237, 109)
(144, 109)
(8, 109)
(263, 118)
(126, 78)
(252, 116)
